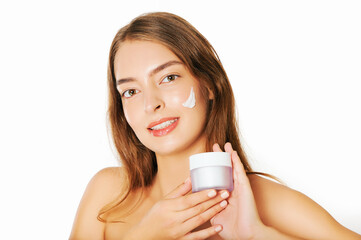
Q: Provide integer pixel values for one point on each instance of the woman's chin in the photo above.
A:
(166, 149)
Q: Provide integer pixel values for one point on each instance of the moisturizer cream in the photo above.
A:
(211, 170)
(191, 101)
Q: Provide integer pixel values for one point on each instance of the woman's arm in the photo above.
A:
(294, 214)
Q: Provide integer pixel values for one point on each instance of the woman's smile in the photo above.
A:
(163, 126)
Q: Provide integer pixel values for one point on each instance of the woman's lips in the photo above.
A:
(163, 127)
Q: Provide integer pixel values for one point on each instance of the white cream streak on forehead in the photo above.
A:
(191, 101)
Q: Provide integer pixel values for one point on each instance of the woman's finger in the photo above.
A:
(193, 199)
(217, 148)
(236, 162)
(228, 147)
(204, 217)
(181, 190)
(238, 169)
(202, 207)
(204, 233)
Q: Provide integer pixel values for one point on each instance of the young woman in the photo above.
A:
(157, 62)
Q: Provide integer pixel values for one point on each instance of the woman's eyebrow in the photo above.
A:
(124, 80)
(154, 71)
(163, 66)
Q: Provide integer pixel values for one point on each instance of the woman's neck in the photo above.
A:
(173, 169)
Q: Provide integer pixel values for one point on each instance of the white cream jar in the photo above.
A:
(211, 170)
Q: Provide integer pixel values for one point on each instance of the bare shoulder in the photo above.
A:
(102, 188)
(294, 213)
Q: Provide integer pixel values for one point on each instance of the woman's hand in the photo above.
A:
(178, 214)
(240, 220)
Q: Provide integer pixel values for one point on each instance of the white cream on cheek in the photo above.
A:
(191, 101)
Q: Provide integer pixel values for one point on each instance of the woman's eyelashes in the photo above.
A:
(129, 93)
(169, 78)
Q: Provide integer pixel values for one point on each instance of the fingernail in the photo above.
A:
(225, 194)
(223, 203)
(212, 193)
(218, 229)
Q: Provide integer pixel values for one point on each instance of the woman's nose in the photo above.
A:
(152, 102)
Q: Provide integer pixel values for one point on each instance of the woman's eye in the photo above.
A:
(129, 93)
(170, 78)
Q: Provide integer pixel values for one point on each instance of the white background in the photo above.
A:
(294, 66)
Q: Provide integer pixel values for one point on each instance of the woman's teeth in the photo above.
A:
(163, 125)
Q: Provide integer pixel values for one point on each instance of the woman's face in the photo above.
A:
(154, 85)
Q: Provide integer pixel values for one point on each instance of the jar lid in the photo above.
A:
(210, 159)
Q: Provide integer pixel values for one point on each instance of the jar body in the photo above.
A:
(212, 177)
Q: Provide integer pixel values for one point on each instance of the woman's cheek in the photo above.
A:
(184, 98)
(171, 99)
(130, 114)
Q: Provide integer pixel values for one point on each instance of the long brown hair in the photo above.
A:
(192, 48)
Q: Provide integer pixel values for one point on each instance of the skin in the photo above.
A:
(256, 209)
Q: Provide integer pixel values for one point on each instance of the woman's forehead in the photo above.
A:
(134, 56)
